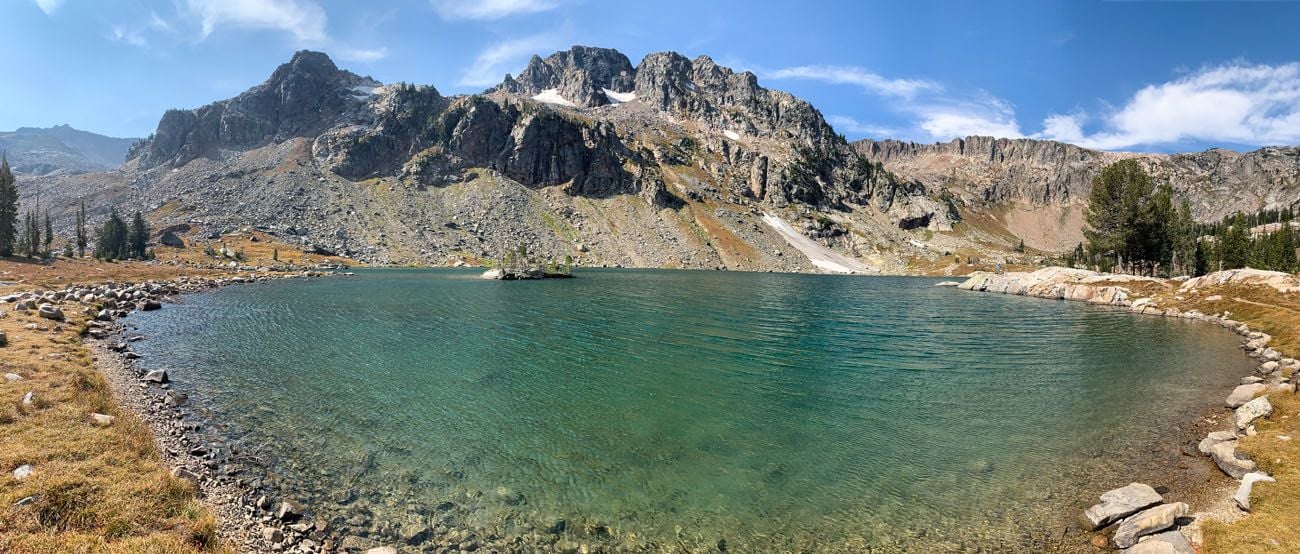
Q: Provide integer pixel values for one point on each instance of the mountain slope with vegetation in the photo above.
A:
(62, 150)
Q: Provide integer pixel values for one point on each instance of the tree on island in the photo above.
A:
(8, 208)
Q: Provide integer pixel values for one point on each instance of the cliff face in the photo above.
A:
(673, 162)
(988, 170)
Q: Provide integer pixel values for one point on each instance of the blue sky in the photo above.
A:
(1158, 76)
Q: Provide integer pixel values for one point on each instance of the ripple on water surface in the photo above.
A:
(769, 410)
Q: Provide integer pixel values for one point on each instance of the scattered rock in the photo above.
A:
(1244, 393)
(272, 535)
(1250, 411)
(1149, 521)
(1247, 484)
(381, 550)
(263, 502)
(24, 501)
(1251, 379)
(11, 377)
(1119, 503)
(1221, 446)
(24, 471)
(1268, 367)
(29, 399)
(50, 311)
(155, 376)
(174, 398)
(289, 510)
(1168, 542)
(101, 420)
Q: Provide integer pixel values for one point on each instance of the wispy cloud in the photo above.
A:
(489, 9)
(1240, 103)
(304, 20)
(932, 111)
(48, 6)
(848, 75)
(846, 124)
(492, 64)
(361, 54)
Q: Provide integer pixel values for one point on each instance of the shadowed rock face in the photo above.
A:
(983, 169)
(301, 98)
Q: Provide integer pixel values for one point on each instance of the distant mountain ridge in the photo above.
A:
(1218, 182)
(62, 149)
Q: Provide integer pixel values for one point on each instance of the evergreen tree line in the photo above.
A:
(1134, 226)
(33, 236)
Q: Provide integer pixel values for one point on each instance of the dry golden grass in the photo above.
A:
(97, 489)
(23, 275)
(1275, 514)
(258, 248)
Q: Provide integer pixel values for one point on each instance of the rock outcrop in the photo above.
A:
(984, 169)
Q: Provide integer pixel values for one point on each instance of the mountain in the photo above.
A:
(1040, 176)
(62, 149)
(675, 162)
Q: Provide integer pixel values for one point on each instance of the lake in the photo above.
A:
(678, 410)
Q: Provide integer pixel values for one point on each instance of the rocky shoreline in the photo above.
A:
(1140, 519)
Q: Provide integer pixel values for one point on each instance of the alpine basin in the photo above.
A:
(675, 409)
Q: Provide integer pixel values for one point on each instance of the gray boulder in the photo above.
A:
(24, 471)
(1168, 542)
(1251, 411)
(1122, 502)
(1221, 446)
(1244, 393)
(156, 376)
(1149, 521)
(50, 311)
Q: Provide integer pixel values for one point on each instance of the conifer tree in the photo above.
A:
(138, 236)
(81, 231)
(112, 242)
(48, 236)
(8, 209)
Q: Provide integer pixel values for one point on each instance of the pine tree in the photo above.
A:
(8, 208)
(81, 231)
(48, 237)
(112, 242)
(138, 236)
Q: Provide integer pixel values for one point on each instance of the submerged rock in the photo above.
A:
(1118, 503)
(156, 376)
(1147, 522)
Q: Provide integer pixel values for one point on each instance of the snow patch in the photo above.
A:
(731, 134)
(552, 96)
(362, 92)
(819, 255)
(616, 97)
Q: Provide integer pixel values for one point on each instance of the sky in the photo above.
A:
(1133, 76)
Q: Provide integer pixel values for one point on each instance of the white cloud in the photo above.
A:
(489, 9)
(492, 64)
(361, 54)
(947, 118)
(304, 20)
(846, 124)
(122, 33)
(847, 75)
(1063, 128)
(49, 6)
(1235, 103)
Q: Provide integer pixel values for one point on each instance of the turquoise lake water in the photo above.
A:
(674, 409)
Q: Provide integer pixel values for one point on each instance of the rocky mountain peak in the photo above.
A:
(579, 75)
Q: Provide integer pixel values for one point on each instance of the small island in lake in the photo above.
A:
(516, 265)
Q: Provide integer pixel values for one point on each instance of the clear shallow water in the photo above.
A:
(774, 411)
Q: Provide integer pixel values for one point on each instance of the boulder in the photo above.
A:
(1268, 367)
(382, 550)
(1247, 484)
(1122, 502)
(155, 376)
(102, 420)
(1251, 379)
(169, 238)
(50, 311)
(1221, 447)
(29, 399)
(1270, 355)
(1251, 411)
(272, 535)
(174, 398)
(149, 305)
(1244, 393)
(24, 471)
(11, 377)
(289, 510)
(1149, 521)
(1168, 542)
